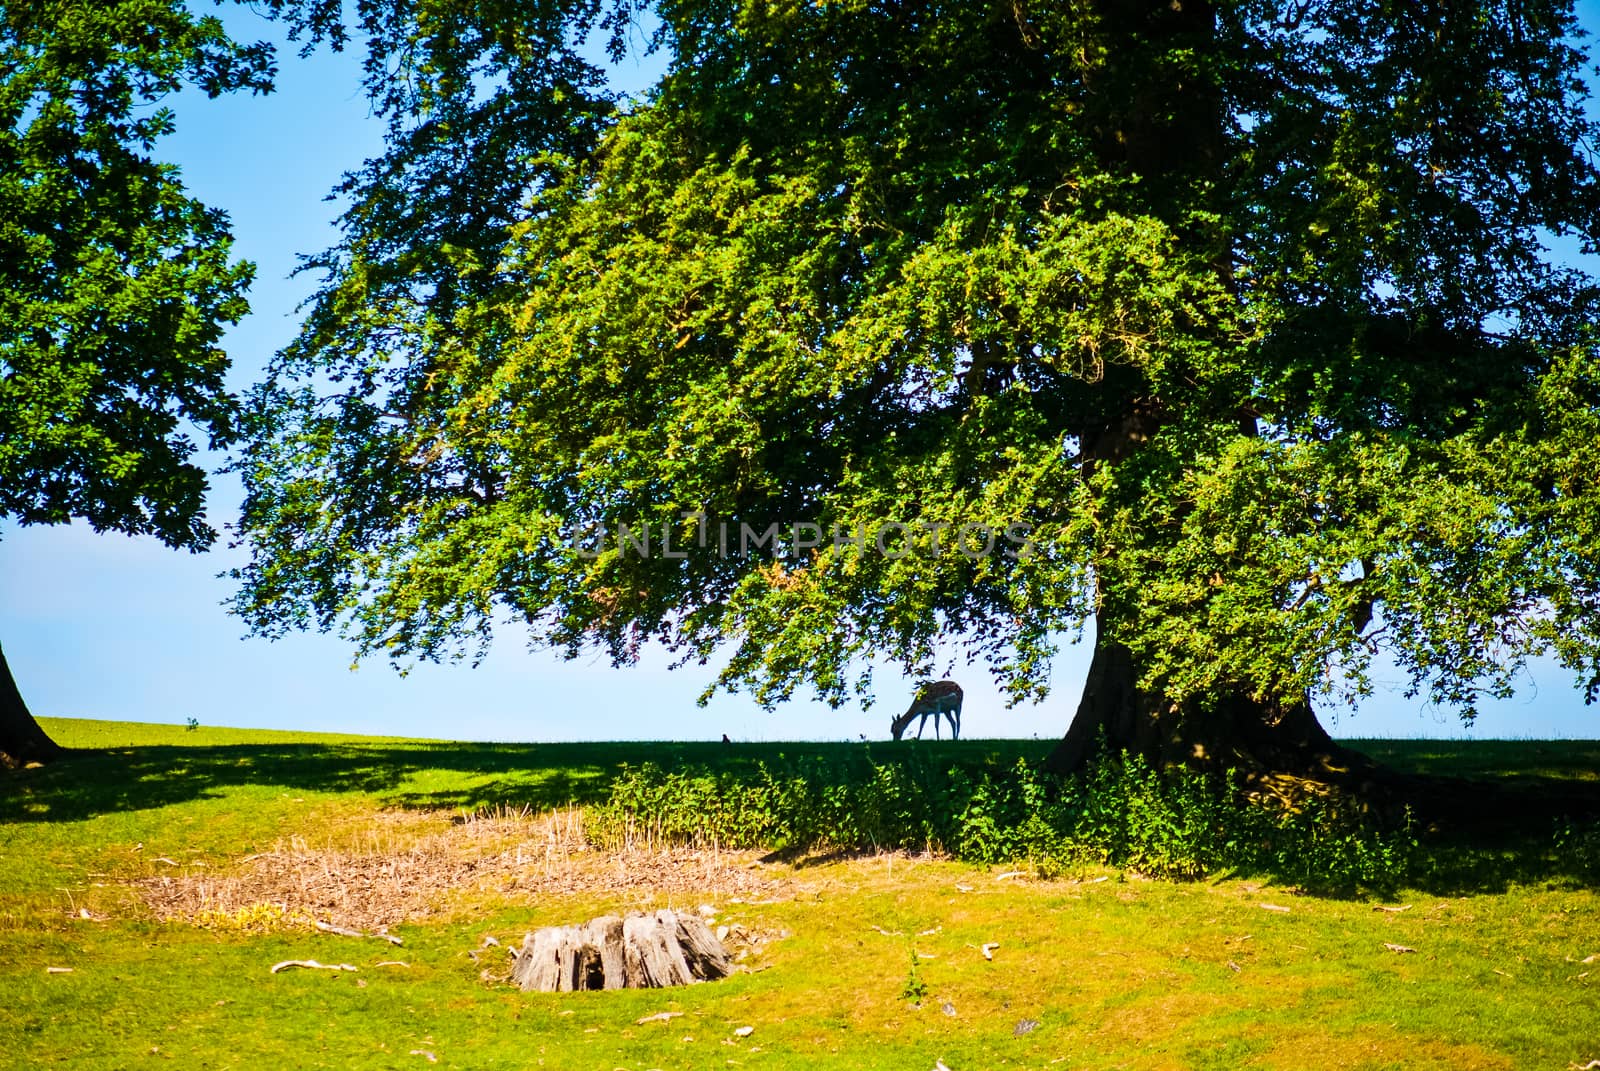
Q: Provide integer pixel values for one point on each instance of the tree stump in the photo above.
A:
(637, 952)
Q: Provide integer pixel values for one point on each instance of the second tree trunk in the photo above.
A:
(21, 739)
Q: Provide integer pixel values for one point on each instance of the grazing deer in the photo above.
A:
(932, 700)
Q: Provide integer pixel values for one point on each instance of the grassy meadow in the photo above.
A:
(148, 888)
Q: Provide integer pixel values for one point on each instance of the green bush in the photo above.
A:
(1577, 845)
(1119, 812)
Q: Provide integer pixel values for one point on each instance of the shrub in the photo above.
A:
(1119, 812)
(1577, 846)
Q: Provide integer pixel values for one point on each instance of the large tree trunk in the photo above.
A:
(1226, 730)
(21, 739)
(1166, 126)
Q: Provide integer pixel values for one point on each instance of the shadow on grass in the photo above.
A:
(1495, 813)
(1523, 812)
(93, 781)
(89, 782)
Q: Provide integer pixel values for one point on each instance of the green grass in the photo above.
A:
(1119, 973)
(1495, 760)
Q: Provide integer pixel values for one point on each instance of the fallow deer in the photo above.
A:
(943, 697)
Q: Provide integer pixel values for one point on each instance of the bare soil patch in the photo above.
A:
(410, 866)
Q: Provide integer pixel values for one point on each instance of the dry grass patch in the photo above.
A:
(400, 867)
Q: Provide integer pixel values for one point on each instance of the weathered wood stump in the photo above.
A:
(637, 952)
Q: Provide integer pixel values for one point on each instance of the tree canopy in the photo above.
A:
(115, 284)
(1238, 321)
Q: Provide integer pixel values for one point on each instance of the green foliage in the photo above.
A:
(115, 285)
(807, 803)
(1332, 846)
(1119, 812)
(1178, 824)
(915, 990)
(483, 102)
(1578, 846)
(1251, 317)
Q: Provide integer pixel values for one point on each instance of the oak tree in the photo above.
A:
(1236, 321)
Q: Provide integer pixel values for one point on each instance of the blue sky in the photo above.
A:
(109, 626)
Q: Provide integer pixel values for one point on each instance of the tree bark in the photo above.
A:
(611, 952)
(21, 739)
(1228, 729)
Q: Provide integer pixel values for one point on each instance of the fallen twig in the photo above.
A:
(286, 964)
(345, 931)
(887, 933)
(1274, 907)
(1397, 948)
(1011, 874)
(988, 949)
(1391, 910)
(658, 1017)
